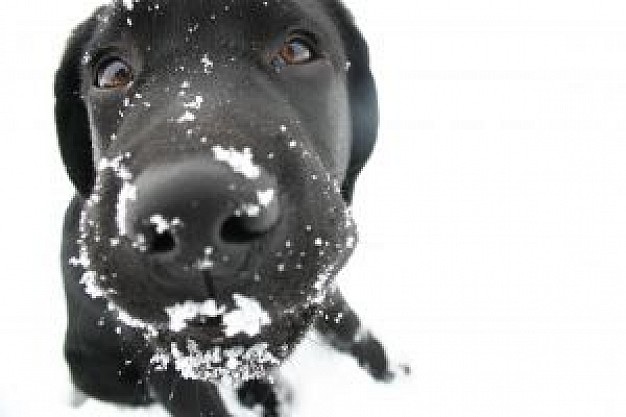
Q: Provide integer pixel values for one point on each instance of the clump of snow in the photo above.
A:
(129, 4)
(179, 314)
(127, 193)
(251, 210)
(116, 166)
(89, 281)
(131, 321)
(160, 360)
(206, 262)
(193, 27)
(140, 242)
(248, 318)
(266, 197)
(82, 259)
(162, 224)
(206, 63)
(186, 117)
(195, 104)
(235, 364)
(239, 161)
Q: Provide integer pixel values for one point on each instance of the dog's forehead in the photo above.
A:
(219, 25)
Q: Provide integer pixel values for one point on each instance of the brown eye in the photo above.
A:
(296, 51)
(114, 73)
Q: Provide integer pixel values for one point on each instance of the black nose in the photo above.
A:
(202, 214)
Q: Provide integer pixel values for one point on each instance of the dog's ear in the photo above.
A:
(71, 114)
(362, 96)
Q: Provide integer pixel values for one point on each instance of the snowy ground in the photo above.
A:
(492, 216)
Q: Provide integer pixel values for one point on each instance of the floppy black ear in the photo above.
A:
(362, 95)
(71, 114)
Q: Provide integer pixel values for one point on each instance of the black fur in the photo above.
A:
(135, 136)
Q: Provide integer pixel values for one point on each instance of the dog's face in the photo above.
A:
(220, 156)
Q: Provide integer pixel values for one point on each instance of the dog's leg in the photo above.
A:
(341, 327)
(264, 393)
(98, 365)
(185, 397)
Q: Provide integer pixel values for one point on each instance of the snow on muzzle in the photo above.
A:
(151, 229)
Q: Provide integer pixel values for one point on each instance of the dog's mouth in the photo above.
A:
(211, 328)
(211, 342)
(246, 318)
(207, 322)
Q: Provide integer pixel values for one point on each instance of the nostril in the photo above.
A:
(160, 241)
(239, 229)
(251, 223)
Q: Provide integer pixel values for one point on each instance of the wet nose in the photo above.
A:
(202, 214)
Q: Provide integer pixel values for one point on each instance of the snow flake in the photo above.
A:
(247, 318)
(266, 197)
(196, 103)
(207, 63)
(127, 193)
(186, 117)
(251, 210)
(129, 4)
(206, 262)
(162, 224)
(239, 161)
(179, 314)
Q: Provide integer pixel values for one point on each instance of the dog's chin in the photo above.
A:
(203, 352)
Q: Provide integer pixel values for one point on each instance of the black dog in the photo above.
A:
(214, 145)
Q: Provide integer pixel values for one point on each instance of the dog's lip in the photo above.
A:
(211, 336)
(245, 316)
(206, 320)
(209, 328)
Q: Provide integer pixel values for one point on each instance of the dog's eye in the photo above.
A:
(113, 73)
(295, 51)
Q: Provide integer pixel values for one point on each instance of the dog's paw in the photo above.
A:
(76, 398)
(259, 395)
(399, 372)
(258, 398)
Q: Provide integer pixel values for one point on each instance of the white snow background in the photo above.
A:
(492, 215)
